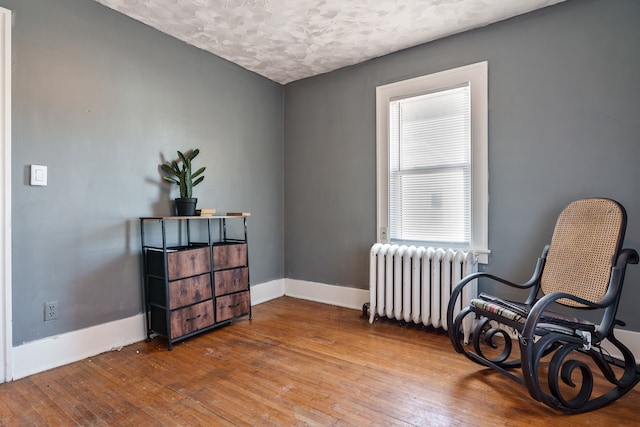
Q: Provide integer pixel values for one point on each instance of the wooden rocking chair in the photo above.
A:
(582, 269)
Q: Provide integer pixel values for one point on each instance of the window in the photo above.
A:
(432, 160)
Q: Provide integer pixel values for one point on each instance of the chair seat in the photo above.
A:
(502, 308)
(518, 312)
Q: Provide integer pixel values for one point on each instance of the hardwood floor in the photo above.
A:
(296, 363)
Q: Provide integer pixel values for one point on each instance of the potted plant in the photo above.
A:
(179, 172)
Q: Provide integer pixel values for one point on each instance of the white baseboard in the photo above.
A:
(326, 294)
(631, 339)
(267, 291)
(51, 352)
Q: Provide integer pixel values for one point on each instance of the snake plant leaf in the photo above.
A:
(193, 154)
(171, 180)
(198, 181)
(198, 172)
(182, 158)
(166, 168)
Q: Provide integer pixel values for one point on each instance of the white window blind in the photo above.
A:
(432, 160)
(430, 167)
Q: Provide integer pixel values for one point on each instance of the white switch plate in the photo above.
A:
(38, 175)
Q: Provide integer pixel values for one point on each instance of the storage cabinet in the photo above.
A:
(191, 285)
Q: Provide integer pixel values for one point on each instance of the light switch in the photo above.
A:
(38, 175)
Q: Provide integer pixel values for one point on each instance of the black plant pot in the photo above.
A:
(186, 206)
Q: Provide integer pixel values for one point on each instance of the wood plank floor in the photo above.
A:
(296, 363)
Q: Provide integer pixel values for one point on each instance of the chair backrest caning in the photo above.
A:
(586, 240)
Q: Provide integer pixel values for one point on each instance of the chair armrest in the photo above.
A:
(628, 256)
(457, 290)
(533, 281)
(538, 309)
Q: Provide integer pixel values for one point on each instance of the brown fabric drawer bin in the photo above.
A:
(230, 281)
(180, 264)
(234, 305)
(192, 318)
(181, 292)
(229, 255)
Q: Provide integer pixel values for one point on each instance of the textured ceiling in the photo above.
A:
(287, 40)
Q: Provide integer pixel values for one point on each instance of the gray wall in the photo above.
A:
(564, 123)
(101, 100)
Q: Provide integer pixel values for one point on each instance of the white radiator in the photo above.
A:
(414, 283)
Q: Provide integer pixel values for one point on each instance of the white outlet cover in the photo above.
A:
(38, 175)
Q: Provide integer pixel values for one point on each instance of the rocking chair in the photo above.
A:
(582, 269)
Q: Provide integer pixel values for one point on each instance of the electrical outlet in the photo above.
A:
(383, 234)
(51, 311)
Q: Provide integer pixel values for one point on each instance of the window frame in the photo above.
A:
(477, 76)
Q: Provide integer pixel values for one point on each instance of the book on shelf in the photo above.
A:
(206, 212)
(238, 213)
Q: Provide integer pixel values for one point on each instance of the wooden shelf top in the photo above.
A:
(196, 217)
